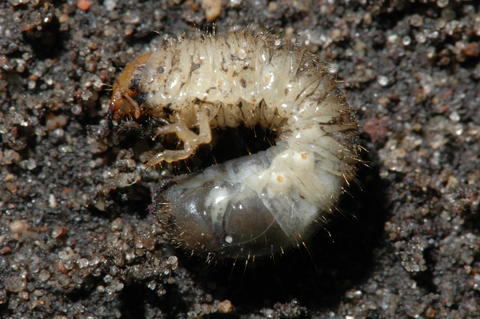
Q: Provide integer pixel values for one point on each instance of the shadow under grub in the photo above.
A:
(239, 142)
(4, 311)
(338, 257)
(130, 200)
(85, 289)
(44, 34)
(137, 300)
(425, 279)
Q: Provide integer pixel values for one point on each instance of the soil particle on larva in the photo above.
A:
(410, 251)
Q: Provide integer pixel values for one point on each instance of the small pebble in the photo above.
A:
(84, 5)
(225, 306)
(212, 9)
(382, 80)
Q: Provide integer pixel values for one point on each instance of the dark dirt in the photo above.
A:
(77, 239)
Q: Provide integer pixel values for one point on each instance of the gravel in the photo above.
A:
(77, 237)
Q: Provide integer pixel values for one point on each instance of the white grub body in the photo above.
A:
(262, 203)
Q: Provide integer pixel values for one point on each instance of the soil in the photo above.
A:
(77, 236)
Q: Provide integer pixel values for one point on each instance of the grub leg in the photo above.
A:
(190, 139)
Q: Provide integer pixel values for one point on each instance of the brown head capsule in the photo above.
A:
(257, 204)
(126, 89)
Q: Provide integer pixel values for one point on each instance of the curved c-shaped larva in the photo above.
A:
(261, 203)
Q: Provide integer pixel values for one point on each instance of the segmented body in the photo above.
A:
(257, 204)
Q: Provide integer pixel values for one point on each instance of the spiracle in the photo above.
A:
(257, 204)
